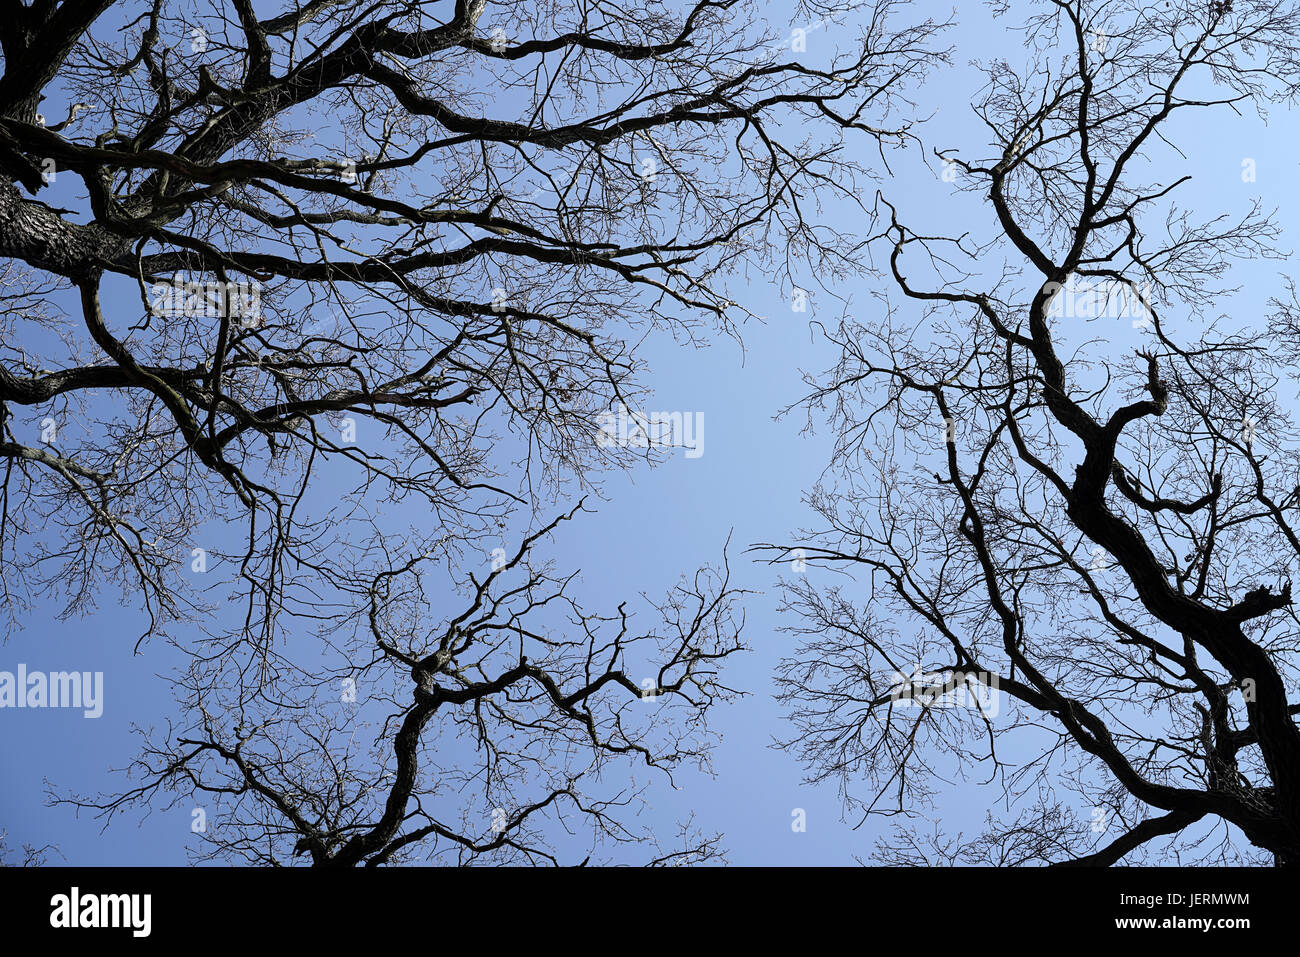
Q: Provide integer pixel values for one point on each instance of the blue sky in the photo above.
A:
(658, 523)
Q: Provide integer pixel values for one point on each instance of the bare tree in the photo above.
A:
(1093, 516)
(26, 856)
(297, 271)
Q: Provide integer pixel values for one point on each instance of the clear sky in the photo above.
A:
(659, 523)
